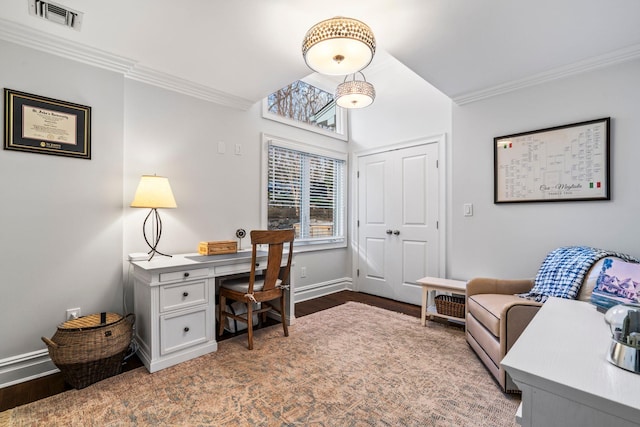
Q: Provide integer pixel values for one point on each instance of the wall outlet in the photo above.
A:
(303, 271)
(73, 313)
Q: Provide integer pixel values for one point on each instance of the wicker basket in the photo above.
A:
(450, 305)
(91, 348)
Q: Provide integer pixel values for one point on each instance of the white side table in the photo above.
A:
(443, 285)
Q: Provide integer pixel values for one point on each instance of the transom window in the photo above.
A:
(304, 105)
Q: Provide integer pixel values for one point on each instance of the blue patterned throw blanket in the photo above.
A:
(563, 270)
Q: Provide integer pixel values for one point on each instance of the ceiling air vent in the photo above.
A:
(56, 13)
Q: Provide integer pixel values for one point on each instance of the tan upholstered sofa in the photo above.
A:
(495, 317)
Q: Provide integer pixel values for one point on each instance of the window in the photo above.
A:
(306, 192)
(304, 105)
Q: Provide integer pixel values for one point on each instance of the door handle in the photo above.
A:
(389, 231)
(396, 232)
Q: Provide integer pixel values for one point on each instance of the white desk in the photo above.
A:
(560, 364)
(174, 303)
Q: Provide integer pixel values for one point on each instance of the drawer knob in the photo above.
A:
(186, 274)
(185, 294)
(186, 329)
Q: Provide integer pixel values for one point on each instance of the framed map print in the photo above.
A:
(562, 163)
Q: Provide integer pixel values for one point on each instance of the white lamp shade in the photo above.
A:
(154, 192)
(355, 94)
(338, 46)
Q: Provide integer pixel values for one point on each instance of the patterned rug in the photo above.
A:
(352, 365)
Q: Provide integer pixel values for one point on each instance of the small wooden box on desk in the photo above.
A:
(218, 247)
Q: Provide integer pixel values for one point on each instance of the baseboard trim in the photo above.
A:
(26, 367)
(316, 290)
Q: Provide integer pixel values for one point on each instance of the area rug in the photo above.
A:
(352, 365)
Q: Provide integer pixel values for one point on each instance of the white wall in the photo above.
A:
(406, 108)
(61, 218)
(177, 136)
(511, 240)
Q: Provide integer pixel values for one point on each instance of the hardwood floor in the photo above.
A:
(40, 388)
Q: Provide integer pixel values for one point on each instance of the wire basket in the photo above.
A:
(450, 305)
(91, 348)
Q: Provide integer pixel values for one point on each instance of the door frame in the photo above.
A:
(443, 176)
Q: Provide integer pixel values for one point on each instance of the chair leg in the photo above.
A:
(250, 323)
(221, 314)
(283, 316)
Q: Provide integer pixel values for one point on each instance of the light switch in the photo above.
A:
(468, 209)
(238, 149)
(221, 147)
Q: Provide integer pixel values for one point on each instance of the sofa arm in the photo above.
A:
(483, 285)
(515, 318)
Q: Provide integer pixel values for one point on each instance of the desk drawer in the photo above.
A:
(184, 274)
(183, 295)
(182, 330)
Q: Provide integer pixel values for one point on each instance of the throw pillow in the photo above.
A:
(618, 283)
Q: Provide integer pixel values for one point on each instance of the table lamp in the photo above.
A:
(153, 192)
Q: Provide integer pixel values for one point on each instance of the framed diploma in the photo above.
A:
(37, 124)
(563, 163)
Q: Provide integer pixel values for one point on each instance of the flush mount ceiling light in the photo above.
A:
(355, 93)
(338, 46)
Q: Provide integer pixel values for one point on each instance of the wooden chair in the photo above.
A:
(265, 289)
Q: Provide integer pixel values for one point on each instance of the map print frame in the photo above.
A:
(561, 163)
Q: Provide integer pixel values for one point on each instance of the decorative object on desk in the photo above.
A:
(450, 305)
(153, 192)
(618, 283)
(218, 247)
(338, 46)
(47, 126)
(624, 322)
(240, 234)
(91, 348)
(355, 93)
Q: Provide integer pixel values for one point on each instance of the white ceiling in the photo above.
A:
(249, 48)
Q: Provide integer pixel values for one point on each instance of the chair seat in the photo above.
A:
(487, 309)
(242, 284)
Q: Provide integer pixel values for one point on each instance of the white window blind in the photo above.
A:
(306, 192)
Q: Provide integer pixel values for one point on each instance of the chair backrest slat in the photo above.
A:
(276, 240)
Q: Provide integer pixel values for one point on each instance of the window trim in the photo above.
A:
(342, 118)
(320, 244)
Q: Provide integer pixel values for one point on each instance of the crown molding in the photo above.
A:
(186, 87)
(129, 68)
(25, 36)
(602, 61)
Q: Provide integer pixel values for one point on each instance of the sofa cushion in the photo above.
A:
(487, 309)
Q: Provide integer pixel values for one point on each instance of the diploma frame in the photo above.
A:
(562, 163)
(42, 125)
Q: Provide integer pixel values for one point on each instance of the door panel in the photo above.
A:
(375, 258)
(375, 193)
(413, 190)
(398, 210)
